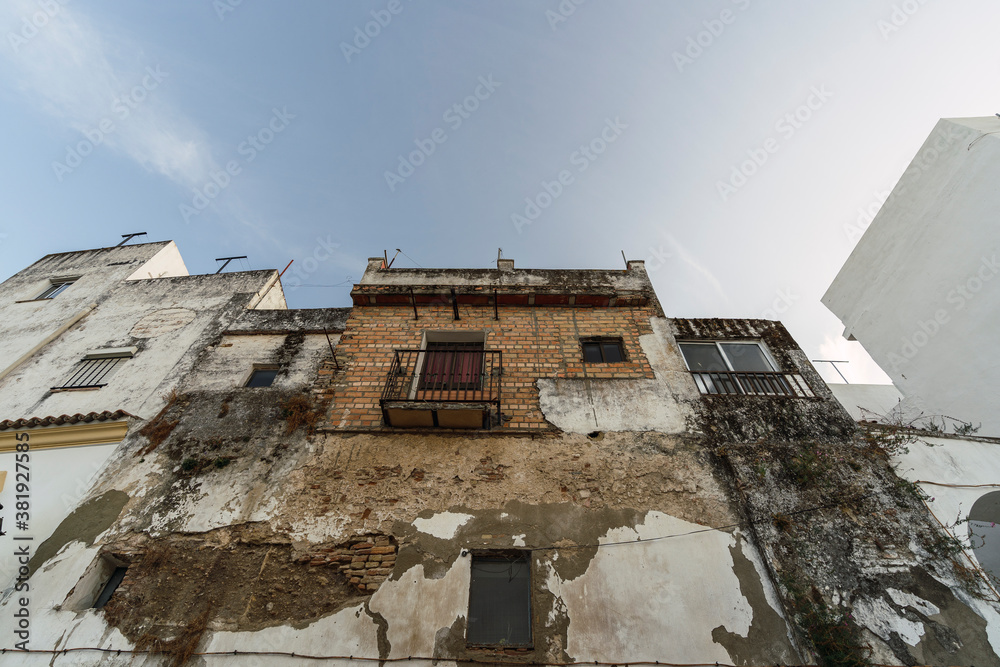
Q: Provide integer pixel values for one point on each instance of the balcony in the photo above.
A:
(453, 385)
(790, 385)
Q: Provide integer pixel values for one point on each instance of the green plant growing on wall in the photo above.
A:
(832, 633)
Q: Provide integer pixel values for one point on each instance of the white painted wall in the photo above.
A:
(59, 480)
(164, 317)
(921, 290)
(228, 364)
(880, 399)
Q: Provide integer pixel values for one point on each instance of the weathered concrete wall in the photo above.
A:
(166, 319)
(743, 529)
(666, 403)
(434, 496)
(98, 271)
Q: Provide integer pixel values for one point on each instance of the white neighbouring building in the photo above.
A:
(920, 291)
(91, 342)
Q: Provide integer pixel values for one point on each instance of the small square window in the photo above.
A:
(262, 377)
(57, 287)
(110, 587)
(500, 600)
(603, 350)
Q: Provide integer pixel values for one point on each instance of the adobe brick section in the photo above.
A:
(365, 561)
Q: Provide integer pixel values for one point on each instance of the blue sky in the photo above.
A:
(564, 133)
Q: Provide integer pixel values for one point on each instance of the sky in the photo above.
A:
(737, 146)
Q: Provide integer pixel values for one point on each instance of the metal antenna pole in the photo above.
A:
(833, 363)
(128, 237)
(229, 259)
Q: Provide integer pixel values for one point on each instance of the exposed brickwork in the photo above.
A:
(537, 342)
(365, 561)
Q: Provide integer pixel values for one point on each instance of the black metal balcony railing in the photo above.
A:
(456, 374)
(753, 384)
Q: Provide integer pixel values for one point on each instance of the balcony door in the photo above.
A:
(452, 366)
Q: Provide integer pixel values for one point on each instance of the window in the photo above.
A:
(56, 287)
(96, 368)
(733, 367)
(603, 350)
(262, 376)
(500, 599)
(984, 530)
(109, 588)
(452, 365)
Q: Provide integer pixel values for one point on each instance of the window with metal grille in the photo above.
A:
(57, 287)
(95, 369)
(739, 367)
(500, 600)
(603, 350)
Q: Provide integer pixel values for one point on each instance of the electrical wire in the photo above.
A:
(345, 282)
(707, 529)
(471, 660)
(409, 258)
(955, 486)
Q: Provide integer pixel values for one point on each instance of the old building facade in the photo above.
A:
(503, 465)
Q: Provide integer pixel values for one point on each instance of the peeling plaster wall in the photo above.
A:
(683, 591)
(167, 319)
(61, 479)
(98, 272)
(738, 515)
(664, 404)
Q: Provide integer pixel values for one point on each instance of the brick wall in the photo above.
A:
(536, 341)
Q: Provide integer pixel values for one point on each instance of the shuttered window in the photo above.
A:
(500, 600)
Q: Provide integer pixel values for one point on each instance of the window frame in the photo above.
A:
(775, 368)
(510, 555)
(110, 586)
(737, 381)
(455, 337)
(600, 341)
(261, 367)
(55, 287)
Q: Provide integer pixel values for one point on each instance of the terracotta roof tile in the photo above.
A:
(32, 422)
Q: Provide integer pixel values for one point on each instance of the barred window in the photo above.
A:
(96, 368)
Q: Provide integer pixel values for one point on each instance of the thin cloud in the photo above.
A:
(685, 256)
(67, 68)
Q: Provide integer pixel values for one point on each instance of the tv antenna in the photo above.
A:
(229, 259)
(128, 237)
(833, 363)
